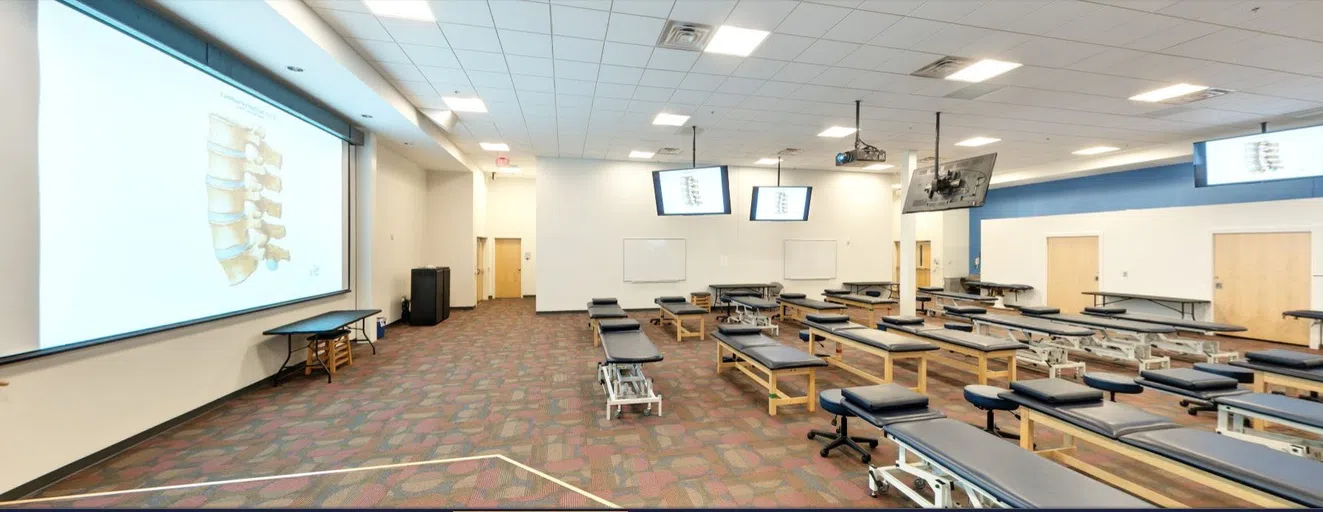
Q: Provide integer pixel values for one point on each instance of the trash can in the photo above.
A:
(381, 327)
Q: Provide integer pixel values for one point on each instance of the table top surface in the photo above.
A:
(1120, 295)
(1305, 313)
(867, 283)
(325, 322)
(740, 285)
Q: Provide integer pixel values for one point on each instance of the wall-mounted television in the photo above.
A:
(1280, 155)
(696, 191)
(780, 203)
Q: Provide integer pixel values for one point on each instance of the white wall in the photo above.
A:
(948, 234)
(1165, 251)
(451, 241)
(512, 213)
(399, 230)
(585, 208)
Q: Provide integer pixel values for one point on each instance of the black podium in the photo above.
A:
(430, 296)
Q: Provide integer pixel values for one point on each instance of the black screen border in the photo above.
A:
(725, 191)
(753, 204)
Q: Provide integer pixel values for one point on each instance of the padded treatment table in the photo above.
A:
(870, 304)
(1254, 473)
(1049, 343)
(981, 347)
(891, 288)
(1176, 304)
(754, 311)
(795, 306)
(1208, 349)
(763, 290)
(754, 353)
(949, 457)
(1290, 369)
(626, 349)
(1117, 339)
(1315, 316)
(603, 309)
(954, 299)
(328, 322)
(890, 347)
(1000, 289)
(675, 310)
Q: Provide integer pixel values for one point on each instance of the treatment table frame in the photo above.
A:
(775, 396)
(837, 359)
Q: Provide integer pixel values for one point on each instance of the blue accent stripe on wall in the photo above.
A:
(1154, 187)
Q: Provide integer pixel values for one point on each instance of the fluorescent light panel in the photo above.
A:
(766, 161)
(494, 146)
(878, 167)
(641, 154)
(465, 104)
(982, 70)
(977, 141)
(416, 10)
(1168, 92)
(836, 131)
(735, 41)
(670, 119)
(1096, 150)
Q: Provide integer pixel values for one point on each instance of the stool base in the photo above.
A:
(841, 437)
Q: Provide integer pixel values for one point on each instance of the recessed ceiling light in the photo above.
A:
(365, 116)
(1095, 150)
(509, 169)
(641, 154)
(836, 131)
(465, 104)
(878, 167)
(1168, 92)
(735, 41)
(767, 161)
(416, 10)
(977, 141)
(295, 69)
(670, 119)
(494, 146)
(982, 70)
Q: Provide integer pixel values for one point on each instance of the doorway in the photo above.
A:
(1257, 276)
(923, 259)
(1072, 269)
(480, 277)
(509, 268)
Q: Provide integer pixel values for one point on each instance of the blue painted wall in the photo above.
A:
(1153, 187)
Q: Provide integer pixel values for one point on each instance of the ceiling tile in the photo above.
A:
(799, 72)
(520, 15)
(947, 10)
(618, 91)
(1050, 16)
(533, 83)
(688, 96)
(701, 82)
(1002, 14)
(431, 56)
(535, 66)
(612, 103)
(465, 12)
(711, 12)
(1042, 51)
(586, 23)
(760, 14)
(861, 26)
(465, 37)
(736, 85)
(659, 78)
(811, 20)
(400, 72)
(626, 28)
(951, 39)
(481, 79)
(715, 64)
(419, 88)
(481, 61)
(619, 75)
(900, 7)
(839, 76)
(341, 5)
(580, 103)
(626, 54)
(381, 51)
(575, 87)
(906, 32)
(653, 93)
(758, 68)
(826, 52)
(576, 70)
(777, 89)
(415, 32)
(573, 48)
(525, 43)
(355, 25)
(725, 100)
(782, 46)
(672, 60)
(653, 8)
(445, 76)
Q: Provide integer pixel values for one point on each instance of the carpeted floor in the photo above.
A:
(502, 380)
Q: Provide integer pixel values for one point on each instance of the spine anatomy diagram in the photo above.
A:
(243, 187)
(1263, 156)
(782, 203)
(692, 197)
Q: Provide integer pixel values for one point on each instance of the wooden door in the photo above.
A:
(1072, 268)
(479, 275)
(509, 269)
(1257, 276)
(923, 268)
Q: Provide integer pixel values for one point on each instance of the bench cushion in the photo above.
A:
(700, 294)
(1035, 324)
(813, 304)
(1288, 358)
(1178, 323)
(931, 288)
(618, 324)
(981, 342)
(781, 357)
(1112, 382)
(1113, 323)
(604, 301)
(740, 293)
(1189, 378)
(1257, 466)
(1104, 310)
(739, 329)
(682, 308)
(792, 295)
(988, 398)
(827, 319)
(1039, 310)
(1310, 374)
(671, 298)
(862, 299)
(1202, 395)
(1300, 411)
(965, 310)
(1243, 375)
(1013, 475)
(606, 311)
(1305, 313)
(745, 341)
(629, 347)
(884, 397)
(903, 320)
(1105, 418)
(885, 340)
(1057, 391)
(754, 302)
(835, 291)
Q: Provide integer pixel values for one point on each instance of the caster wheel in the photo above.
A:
(823, 452)
(647, 412)
(872, 444)
(876, 487)
(866, 458)
(918, 484)
(1192, 412)
(811, 436)
(1185, 403)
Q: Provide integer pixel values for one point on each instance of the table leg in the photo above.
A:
(363, 328)
(322, 363)
(289, 345)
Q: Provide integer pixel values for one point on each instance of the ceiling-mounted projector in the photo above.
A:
(866, 155)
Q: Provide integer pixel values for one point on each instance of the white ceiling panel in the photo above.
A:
(760, 14)
(1042, 51)
(753, 67)
(380, 51)
(1002, 14)
(464, 12)
(672, 60)
(777, 89)
(481, 61)
(575, 22)
(645, 93)
(621, 54)
(711, 12)
(573, 48)
(659, 78)
(946, 10)
(400, 72)
(653, 8)
(526, 44)
(701, 82)
(535, 66)
(617, 91)
(900, 7)
(716, 64)
(640, 30)
(826, 52)
(415, 32)
(466, 37)
(782, 47)
(906, 32)
(687, 96)
(736, 85)
(811, 20)
(521, 15)
(799, 72)
(430, 56)
(861, 26)
(951, 39)
(576, 70)
(356, 25)
(533, 83)
(619, 75)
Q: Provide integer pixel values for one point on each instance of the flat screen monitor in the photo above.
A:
(966, 185)
(780, 203)
(1280, 155)
(696, 191)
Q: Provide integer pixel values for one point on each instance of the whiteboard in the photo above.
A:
(810, 259)
(654, 260)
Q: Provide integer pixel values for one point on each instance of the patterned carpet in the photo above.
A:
(502, 380)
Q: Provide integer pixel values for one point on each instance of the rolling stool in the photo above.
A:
(702, 300)
(923, 305)
(830, 400)
(1242, 375)
(987, 398)
(804, 336)
(1113, 384)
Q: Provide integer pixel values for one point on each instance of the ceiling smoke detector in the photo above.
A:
(668, 151)
(682, 35)
(943, 67)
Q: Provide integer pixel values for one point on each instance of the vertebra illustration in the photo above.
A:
(692, 197)
(243, 189)
(1263, 156)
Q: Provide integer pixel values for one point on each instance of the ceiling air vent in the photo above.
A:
(789, 152)
(943, 67)
(668, 151)
(1196, 96)
(681, 35)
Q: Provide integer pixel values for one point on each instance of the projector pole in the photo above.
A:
(778, 170)
(937, 147)
(856, 124)
(693, 151)
(1263, 127)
